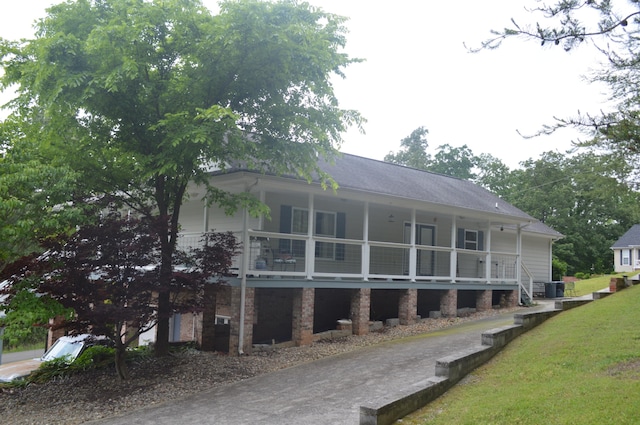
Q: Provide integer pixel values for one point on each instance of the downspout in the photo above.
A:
(243, 280)
(244, 269)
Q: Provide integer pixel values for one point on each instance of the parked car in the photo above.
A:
(67, 346)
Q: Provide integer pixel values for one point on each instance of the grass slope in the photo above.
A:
(580, 367)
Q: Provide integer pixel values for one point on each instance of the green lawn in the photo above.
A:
(580, 367)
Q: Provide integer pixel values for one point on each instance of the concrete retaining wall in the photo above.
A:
(451, 369)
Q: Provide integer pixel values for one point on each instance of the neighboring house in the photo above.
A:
(391, 243)
(626, 251)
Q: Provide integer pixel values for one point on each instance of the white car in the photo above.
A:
(67, 346)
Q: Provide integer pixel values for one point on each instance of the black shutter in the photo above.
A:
(460, 243)
(341, 230)
(480, 241)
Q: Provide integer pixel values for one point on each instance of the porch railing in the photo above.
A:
(293, 255)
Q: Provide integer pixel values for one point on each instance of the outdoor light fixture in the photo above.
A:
(391, 218)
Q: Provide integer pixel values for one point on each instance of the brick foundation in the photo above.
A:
(512, 298)
(408, 308)
(302, 326)
(449, 303)
(234, 337)
(360, 310)
(484, 300)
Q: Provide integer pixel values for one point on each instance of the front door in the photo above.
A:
(425, 236)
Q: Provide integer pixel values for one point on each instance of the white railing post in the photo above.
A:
(366, 248)
(454, 253)
(413, 251)
(487, 258)
(310, 243)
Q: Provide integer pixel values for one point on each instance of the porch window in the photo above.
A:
(470, 239)
(327, 224)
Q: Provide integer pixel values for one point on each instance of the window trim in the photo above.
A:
(474, 242)
(334, 214)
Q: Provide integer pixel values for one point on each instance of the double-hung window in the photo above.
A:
(324, 225)
(471, 239)
(626, 257)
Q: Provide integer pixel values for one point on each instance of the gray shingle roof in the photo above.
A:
(630, 238)
(364, 174)
(383, 178)
(358, 173)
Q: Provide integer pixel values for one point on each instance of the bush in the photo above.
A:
(49, 370)
(581, 275)
(559, 269)
(94, 358)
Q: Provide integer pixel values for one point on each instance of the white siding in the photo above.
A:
(536, 256)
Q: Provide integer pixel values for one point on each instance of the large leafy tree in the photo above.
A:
(143, 97)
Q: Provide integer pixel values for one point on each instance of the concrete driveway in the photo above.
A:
(326, 391)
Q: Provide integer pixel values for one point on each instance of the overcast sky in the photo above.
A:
(417, 72)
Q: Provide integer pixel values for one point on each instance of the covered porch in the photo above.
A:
(317, 238)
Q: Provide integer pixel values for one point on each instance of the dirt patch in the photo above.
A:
(625, 370)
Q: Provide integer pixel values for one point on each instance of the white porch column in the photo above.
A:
(519, 263)
(311, 246)
(413, 252)
(453, 266)
(366, 249)
(487, 247)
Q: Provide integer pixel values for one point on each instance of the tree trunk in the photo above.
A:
(121, 364)
(161, 347)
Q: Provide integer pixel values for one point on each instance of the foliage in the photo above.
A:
(454, 161)
(94, 357)
(37, 196)
(493, 174)
(413, 151)
(581, 275)
(584, 197)
(449, 160)
(570, 23)
(558, 268)
(51, 369)
(142, 98)
(107, 275)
